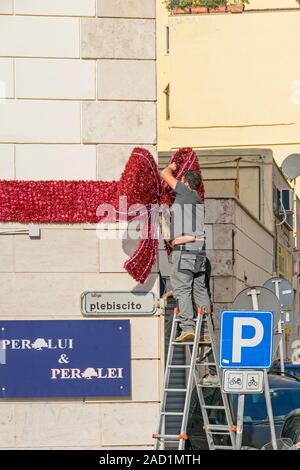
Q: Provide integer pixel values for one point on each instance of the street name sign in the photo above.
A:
(118, 303)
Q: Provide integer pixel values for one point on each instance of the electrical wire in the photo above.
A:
(284, 212)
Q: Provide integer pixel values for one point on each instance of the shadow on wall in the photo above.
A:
(129, 245)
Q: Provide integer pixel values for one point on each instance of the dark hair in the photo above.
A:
(193, 178)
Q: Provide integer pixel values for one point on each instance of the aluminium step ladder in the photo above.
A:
(214, 432)
(192, 368)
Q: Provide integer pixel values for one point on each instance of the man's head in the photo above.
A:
(192, 179)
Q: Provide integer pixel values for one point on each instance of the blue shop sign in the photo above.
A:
(65, 358)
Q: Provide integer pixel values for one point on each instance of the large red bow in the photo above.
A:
(77, 201)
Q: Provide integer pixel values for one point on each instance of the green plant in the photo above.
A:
(172, 4)
(185, 3)
(239, 2)
(201, 3)
(215, 3)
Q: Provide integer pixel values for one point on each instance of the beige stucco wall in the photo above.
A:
(77, 75)
(234, 79)
(271, 4)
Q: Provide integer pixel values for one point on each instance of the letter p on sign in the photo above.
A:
(240, 342)
(246, 339)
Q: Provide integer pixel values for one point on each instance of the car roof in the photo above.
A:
(283, 381)
(292, 366)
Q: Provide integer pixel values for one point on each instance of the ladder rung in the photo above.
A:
(179, 367)
(219, 433)
(206, 364)
(177, 343)
(178, 320)
(172, 413)
(169, 437)
(212, 407)
(224, 447)
(175, 390)
(209, 386)
(217, 427)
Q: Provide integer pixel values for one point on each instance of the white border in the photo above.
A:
(248, 312)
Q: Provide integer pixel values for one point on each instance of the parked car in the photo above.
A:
(291, 427)
(285, 396)
(289, 368)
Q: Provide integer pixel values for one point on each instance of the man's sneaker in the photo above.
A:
(210, 380)
(185, 336)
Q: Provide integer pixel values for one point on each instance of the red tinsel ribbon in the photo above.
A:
(72, 202)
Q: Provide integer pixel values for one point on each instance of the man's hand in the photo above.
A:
(167, 175)
(172, 166)
(167, 294)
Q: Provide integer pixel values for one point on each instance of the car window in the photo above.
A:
(283, 401)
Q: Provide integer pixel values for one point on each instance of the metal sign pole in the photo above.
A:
(254, 294)
(240, 422)
(270, 410)
(280, 331)
(241, 399)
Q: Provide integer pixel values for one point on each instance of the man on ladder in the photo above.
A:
(188, 276)
(189, 285)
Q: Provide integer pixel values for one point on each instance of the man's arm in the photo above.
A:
(167, 175)
(183, 239)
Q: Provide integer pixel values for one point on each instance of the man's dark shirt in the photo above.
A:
(187, 214)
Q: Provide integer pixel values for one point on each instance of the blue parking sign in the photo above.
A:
(246, 339)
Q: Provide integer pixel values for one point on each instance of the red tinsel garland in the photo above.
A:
(77, 201)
